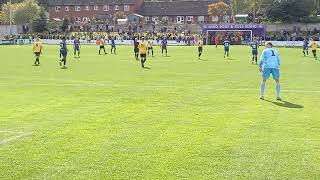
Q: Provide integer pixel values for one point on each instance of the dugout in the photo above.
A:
(236, 33)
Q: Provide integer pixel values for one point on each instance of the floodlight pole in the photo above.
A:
(10, 11)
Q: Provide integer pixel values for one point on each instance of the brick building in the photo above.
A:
(178, 11)
(86, 10)
(175, 11)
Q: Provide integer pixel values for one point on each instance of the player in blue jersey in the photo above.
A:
(226, 45)
(269, 64)
(255, 46)
(306, 46)
(63, 53)
(76, 47)
(113, 46)
(164, 46)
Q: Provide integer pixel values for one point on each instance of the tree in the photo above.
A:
(65, 24)
(22, 13)
(40, 24)
(288, 11)
(218, 9)
(5, 13)
(119, 15)
(26, 12)
(44, 3)
(254, 8)
(316, 10)
(13, 1)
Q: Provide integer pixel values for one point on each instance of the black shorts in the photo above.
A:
(200, 49)
(314, 51)
(150, 48)
(143, 55)
(136, 50)
(101, 47)
(37, 54)
(63, 53)
(255, 52)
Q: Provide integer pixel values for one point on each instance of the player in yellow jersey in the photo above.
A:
(143, 51)
(150, 47)
(37, 50)
(200, 46)
(101, 44)
(314, 46)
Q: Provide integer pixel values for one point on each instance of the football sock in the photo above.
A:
(278, 89)
(263, 86)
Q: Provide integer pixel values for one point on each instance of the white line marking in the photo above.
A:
(11, 132)
(15, 138)
(93, 84)
(107, 84)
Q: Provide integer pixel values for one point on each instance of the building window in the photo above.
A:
(201, 18)
(180, 19)
(126, 8)
(165, 18)
(105, 8)
(215, 18)
(190, 18)
(147, 19)
(87, 8)
(155, 18)
(58, 8)
(226, 18)
(77, 8)
(116, 7)
(85, 19)
(66, 8)
(77, 19)
(96, 8)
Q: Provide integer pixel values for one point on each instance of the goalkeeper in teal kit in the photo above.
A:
(269, 64)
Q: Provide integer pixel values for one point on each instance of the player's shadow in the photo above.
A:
(231, 59)
(286, 104)
(203, 60)
(146, 68)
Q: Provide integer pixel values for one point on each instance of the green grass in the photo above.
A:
(107, 118)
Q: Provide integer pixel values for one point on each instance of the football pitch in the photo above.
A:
(104, 117)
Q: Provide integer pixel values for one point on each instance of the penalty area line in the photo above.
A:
(102, 84)
(15, 138)
(11, 132)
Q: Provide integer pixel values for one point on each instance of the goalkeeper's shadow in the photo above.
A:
(286, 104)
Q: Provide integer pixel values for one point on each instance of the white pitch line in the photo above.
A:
(93, 84)
(11, 132)
(15, 138)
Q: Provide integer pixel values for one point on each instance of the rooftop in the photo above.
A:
(175, 7)
(89, 2)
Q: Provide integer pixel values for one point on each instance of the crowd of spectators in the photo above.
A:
(292, 36)
(179, 36)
